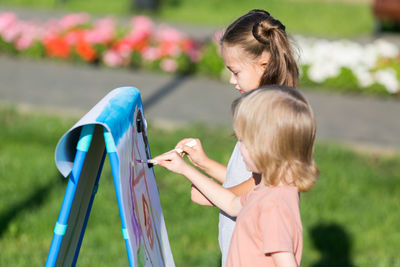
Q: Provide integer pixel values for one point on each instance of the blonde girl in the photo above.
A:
(256, 50)
(275, 127)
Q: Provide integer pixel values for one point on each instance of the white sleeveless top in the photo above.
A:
(236, 173)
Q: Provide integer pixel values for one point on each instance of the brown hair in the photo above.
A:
(257, 32)
(277, 126)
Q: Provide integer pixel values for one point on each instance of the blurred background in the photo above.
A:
(58, 58)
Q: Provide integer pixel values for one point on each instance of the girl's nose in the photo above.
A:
(232, 80)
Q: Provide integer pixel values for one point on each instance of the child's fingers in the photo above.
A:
(163, 157)
(171, 161)
(181, 143)
(186, 150)
(192, 142)
(186, 144)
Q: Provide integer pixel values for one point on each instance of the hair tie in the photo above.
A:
(280, 25)
(260, 11)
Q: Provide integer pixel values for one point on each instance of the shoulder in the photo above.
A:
(280, 197)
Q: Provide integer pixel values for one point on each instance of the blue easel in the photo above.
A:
(80, 154)
(61, 226)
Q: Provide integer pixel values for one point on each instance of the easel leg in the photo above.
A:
(61, 225)
(112, 154)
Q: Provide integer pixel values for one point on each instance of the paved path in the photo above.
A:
(65, 87)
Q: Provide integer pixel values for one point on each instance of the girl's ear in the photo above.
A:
(264, 59)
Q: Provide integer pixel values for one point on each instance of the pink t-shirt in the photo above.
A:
(269, 222)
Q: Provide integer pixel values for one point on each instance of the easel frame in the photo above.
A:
(115, 126)
(61, 226)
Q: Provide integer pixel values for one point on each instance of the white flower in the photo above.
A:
(387, 77)
(386, 49)
(364, 76)
(320, 71)
(326, 58)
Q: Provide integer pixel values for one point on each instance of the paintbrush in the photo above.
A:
(151, 163)
(146, 162)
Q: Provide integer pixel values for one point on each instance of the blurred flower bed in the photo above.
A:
(77, 37)
(350, 66)
(340, 65)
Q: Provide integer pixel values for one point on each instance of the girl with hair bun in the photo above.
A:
(257, 52)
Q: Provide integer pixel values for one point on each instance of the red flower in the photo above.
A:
(57, 46)
(85, 50)
(187, 45)
(137, 42)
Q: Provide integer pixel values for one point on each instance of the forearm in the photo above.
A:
(214, 169)
(214, 192)
(243, 187)
(198, 197)
(238, 190)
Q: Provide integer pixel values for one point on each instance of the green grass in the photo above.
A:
(350, 217)
(311, 17)
(331, 18)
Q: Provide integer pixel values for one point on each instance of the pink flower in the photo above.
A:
(168, 34)
(112, 59)
(30, 33)
(169, 65)
(11, 33)
(151, 54)
(24, 42)
(142, 24)
(170, 41)
(51, 27)
(137, 41)
(123, 47)
(7, 19)
(73, 37)
(102, 32)
(73, 20)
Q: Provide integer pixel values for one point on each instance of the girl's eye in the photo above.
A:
(234, 72)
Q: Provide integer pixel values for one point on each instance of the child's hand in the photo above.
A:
(172, 161)
(194, 152)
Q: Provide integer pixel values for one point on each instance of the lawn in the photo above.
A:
(350, 217)
(310, 17)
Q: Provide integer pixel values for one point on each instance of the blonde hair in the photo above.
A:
(258, 32)
(277, 126)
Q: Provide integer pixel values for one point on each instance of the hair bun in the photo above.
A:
(263, 31)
